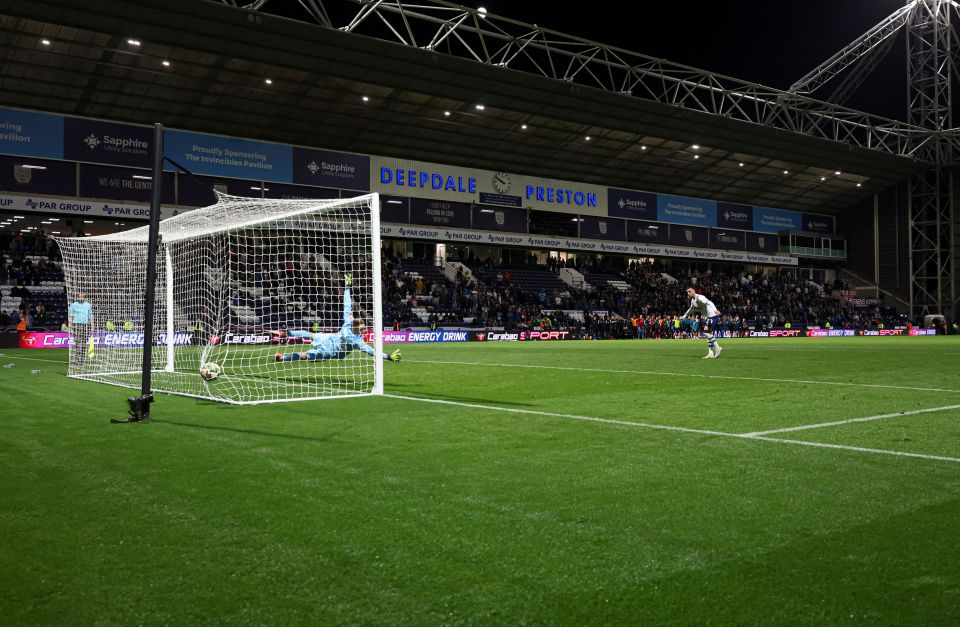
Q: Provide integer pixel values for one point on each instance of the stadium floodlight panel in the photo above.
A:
(165, 63)
(30, 166)
(143, 177)
(45, 42)
(133, 42)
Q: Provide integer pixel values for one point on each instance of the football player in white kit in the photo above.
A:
(711, 320)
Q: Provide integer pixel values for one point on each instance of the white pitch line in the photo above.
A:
(642, 425)
(858, 449)
(52, 361)
(694, 375)
(834, 423)
(537, 412)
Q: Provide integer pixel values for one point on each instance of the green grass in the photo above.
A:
(395, 511)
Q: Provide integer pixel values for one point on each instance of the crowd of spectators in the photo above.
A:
(636, 300)
(650, 307)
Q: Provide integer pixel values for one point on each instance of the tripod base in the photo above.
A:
(139, 410)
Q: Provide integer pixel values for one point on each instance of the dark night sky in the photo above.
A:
(772, 42)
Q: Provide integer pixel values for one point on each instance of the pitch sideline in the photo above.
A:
(690, 374)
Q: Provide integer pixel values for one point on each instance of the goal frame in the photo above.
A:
(168, 324)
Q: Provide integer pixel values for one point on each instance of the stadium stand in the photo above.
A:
(635, 300)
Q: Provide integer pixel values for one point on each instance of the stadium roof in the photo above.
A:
(220, 58)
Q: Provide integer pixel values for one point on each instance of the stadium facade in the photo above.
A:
(467, 145)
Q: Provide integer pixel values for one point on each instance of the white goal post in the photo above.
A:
(274, 292)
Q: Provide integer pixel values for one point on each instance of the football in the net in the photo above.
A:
(210, 371)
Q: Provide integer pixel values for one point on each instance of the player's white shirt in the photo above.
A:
(703, 305)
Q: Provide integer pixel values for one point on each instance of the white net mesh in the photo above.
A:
(275, 293)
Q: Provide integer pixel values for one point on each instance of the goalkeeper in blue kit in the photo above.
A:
(337, 345)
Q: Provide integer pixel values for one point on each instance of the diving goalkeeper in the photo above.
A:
(340, 344)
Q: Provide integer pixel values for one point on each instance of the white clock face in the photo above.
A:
(501, 182)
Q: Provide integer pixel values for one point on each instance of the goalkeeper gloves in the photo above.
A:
(348, 280)
(395, 355)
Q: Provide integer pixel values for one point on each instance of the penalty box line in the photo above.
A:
(691, 374)
(643, 425)
(834, 423)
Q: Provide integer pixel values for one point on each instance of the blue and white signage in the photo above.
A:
(107, 142)
(625, 203)
(682, 210)
(395, 178)
(767, 220)
(229, 157)
(325, 168)
(732, 215)
(560, 195)
(31, 134)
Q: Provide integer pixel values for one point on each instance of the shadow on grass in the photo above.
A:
(288, 436)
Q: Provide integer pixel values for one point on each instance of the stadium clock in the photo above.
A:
(501, 182)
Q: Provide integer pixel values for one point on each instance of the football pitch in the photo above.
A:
(800, 481)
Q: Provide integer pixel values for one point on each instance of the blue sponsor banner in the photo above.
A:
(104, 181)
(501, 200)
(817, 223)
(628, 204)
(27, 175)
(31, 134)
(325, 168)
(768, 220)
(593, 227)
(439, 213)
(690, 236)
(108, 142)
(732, 215)
(682, 210)
(644, 232)
(500, 219)
(229, 157)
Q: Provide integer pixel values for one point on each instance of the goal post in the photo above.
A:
(239, 284)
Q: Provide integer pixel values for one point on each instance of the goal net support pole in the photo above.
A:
(140, 406)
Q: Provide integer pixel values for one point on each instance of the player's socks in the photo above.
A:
(716, 351)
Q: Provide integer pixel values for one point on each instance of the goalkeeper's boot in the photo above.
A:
(716, 351)
(348, 280)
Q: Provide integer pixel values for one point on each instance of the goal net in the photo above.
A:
(272, 296)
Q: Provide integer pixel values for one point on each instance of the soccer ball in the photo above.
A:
(210, 371)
